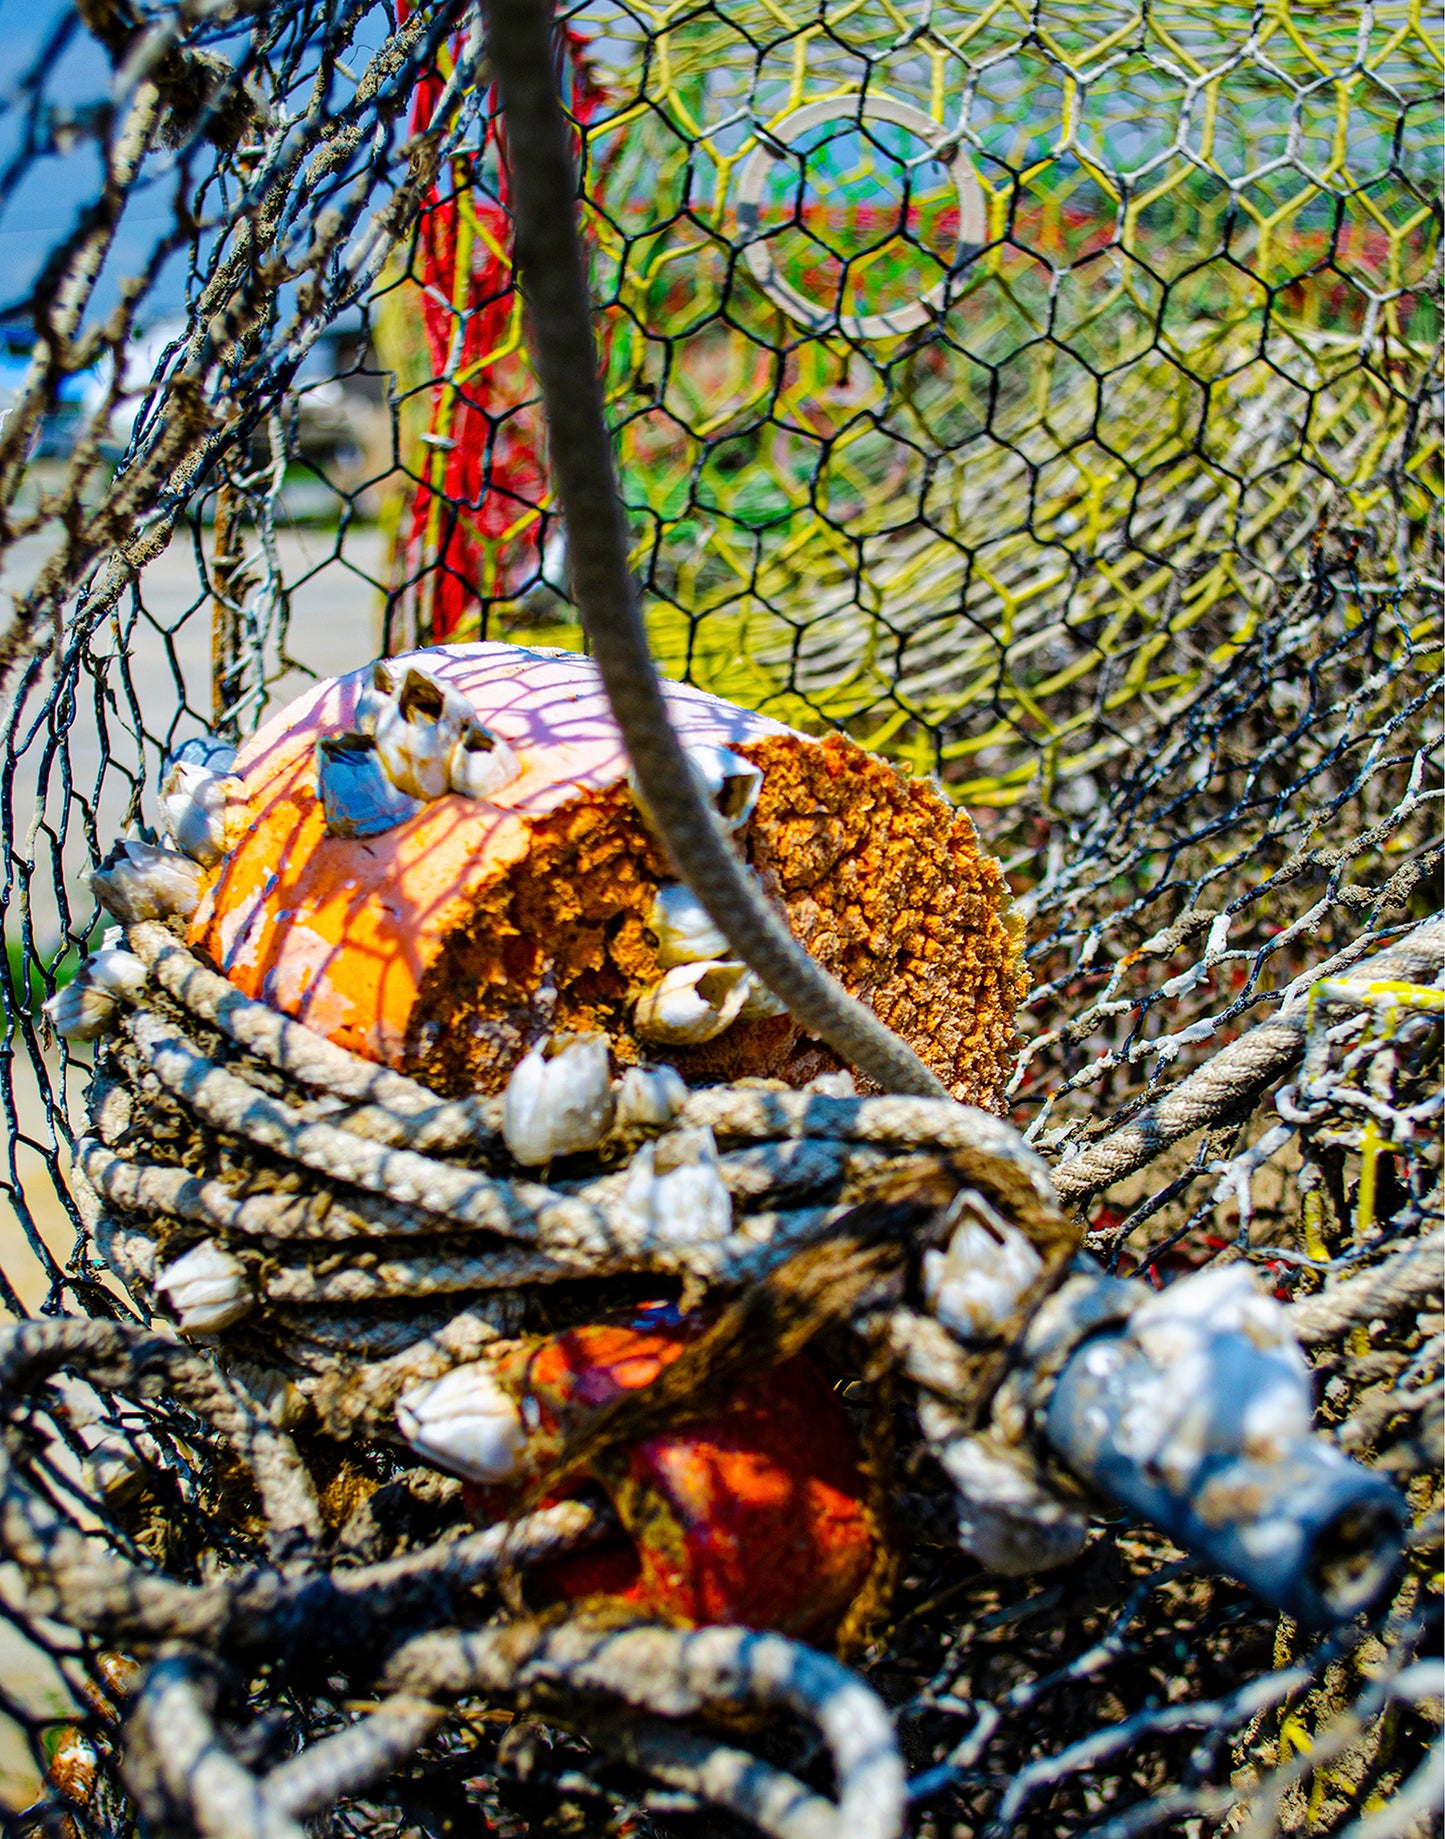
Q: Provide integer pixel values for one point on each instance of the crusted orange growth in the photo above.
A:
(559, 942)
(756, 1514)
(884, 882)
(448, 944)
(881, 879)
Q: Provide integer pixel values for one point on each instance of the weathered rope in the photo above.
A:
(679, 1674)
(587, 1224)
(113, 1355)
(589, 1235)
(590, 1224)
(736, 1780)
(345, 1243)
(988, 1152)
(352, 1238)
(552, 273)
(229, 1104)
(181, 1772)
(341, 1765)
(255, 1607)
(1231, 1077)
(336, 1174)
(395, 1108)
(1401, 1282)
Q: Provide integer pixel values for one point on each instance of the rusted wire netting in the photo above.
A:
(1048, 397)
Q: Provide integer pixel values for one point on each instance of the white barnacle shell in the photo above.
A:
(198, 810)
(415, 734)
(1221, 1300)
(464, 1422)
(207, 1289)
(357, 796)
(423, 697)
(649, 1097)
(86, 1008)
(139, 881)
(760, 1003)
(1179, 1329)
(81, 1011)
(414, 756)
(692, 1003)
(680, 923)
(558, 1099)
(977, 1284)
(675, 1190)
(731, 784)
(481, 763)
(376, 695)
(114, 969)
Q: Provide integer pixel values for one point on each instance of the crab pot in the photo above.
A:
(1308, 1531)
(1025, 428)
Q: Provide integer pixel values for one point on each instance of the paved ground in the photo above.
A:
(334, 623)
(166, 632)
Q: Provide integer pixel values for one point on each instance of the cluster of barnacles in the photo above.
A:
(414, 739)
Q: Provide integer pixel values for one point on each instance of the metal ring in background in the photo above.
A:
(972, 215)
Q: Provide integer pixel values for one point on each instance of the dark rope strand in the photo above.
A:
(554, 285)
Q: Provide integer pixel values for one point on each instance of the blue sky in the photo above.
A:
(40, 201)
(42, 192)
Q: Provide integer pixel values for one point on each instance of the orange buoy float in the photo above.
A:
(438, 860)
(757, 1514)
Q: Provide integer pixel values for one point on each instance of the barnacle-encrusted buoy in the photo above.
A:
(442, 931)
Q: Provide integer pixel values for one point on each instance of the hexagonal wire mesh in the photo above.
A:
(1043, 395)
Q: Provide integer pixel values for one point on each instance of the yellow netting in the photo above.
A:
(1198, 318)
